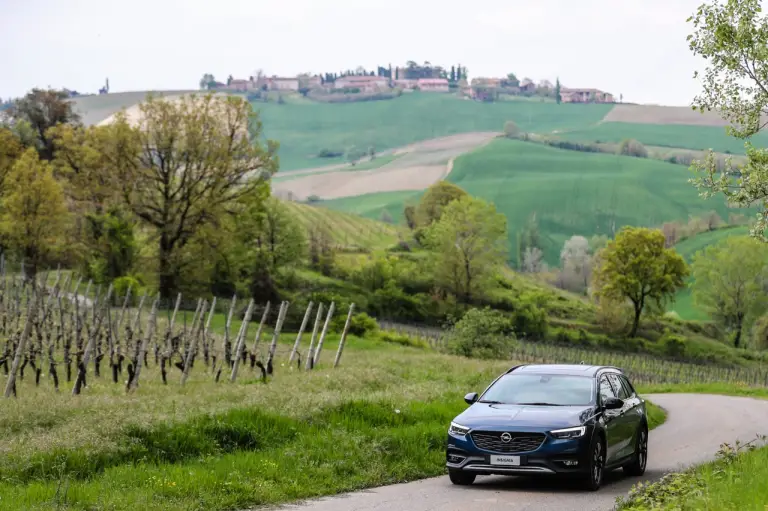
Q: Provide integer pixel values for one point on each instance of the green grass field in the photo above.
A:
(303, 130)
(570, 192)
(664, 135)
(684, 305)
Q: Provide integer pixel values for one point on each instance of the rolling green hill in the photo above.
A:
(570, 192)
(665, 135)
(303, 130)
(684, 305)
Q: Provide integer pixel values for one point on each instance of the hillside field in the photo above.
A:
(699, 138)
(303, 130)
(570, 192)
(348, 231)
(687, 248)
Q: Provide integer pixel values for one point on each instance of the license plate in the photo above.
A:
(508, 461)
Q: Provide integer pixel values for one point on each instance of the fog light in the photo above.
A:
(455, 458)
(570, 463)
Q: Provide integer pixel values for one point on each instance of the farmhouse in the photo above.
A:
(527, 85)
(585, 96)
(364, 83)
(406, 83)
(433, 85)
(283, 84)
(239, 85)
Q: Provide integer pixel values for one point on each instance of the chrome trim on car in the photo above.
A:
(512, 470)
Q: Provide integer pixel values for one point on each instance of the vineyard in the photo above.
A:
(350, 232)
(58, 329)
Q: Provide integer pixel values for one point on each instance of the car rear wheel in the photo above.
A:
(461, 478)
(594, 479)
(637, 466)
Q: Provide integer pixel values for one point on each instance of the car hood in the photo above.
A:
(483, 415)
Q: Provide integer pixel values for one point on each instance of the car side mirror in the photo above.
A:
(613, 403)
(471, 398)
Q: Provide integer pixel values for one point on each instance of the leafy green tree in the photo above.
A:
(511, 129)
(470, 245)
(110, 241)
(637, 267)
(732, 37)
(512, 80)
(729, 281)
(207, 81)
(34, 219)
(558, 96)
(185, 166)
(10, 150)
(44, 109)
(271, 240)
(434, 201)
(528, 239)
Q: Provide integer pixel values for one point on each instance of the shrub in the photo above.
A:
(482, 333)
(511, 130)
(330, 153)
(402, 339)
(631, 147)
(530, 316)
(120, 289)
(360, 325)
(672, 345)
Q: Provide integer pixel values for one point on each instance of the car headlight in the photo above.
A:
(567, 433)
(458, 429)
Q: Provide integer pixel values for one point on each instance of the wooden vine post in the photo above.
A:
(301, 331)
(344, 335)
(325, 331)
(144, 343)
(311, 352)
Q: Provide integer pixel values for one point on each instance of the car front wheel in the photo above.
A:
(594, 479)
(461, 478)
(637, 466)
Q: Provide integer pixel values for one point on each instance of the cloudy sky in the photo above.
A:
(632, 47)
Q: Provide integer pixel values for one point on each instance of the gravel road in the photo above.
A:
(696, 426)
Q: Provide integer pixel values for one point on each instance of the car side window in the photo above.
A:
(628, 386)
(606, 390)
(621, 391)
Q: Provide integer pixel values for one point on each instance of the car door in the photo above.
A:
(627, 423)
(636, 412)
(610, 419)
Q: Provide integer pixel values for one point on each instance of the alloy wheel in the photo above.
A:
(597, 463)
(643, 449)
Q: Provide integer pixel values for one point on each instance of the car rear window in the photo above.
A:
(551, 389)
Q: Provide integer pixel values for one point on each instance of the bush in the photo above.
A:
(482, 333)
(511, 130)
(360, 325)
(530, 316)
(672, 345)
(631, 147)
(403, 340)
(120, 289)
(330, 153)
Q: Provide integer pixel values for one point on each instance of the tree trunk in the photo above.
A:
(167, 282)
(636, 321)
(739, 328)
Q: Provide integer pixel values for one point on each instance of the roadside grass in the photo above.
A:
(735, 481)
(726, 389)
(656, 415)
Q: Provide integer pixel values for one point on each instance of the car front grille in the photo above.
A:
(520, 442)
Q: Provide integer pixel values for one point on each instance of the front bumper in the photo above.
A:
(552, 457)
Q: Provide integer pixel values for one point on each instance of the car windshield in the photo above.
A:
(540, 389)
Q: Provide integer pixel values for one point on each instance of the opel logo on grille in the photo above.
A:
(506, 438)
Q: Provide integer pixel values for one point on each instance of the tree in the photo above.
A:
(470, 245)
(732, 37)
(453, 73)
(533, 260)
(512, 80)
(528, 238)
(272, 240)
(44, 109)
(729, 281)
(207, 81)
(434, 201)
(511, 130)
(10, 150)
(558, 96)
(575, 264)
(637, 267)
(185, 165)
(631, 147)
(34, 218)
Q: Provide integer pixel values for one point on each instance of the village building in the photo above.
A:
(585, 96)
(364, 83)
(406, 83)
(433, 85)
(282, 84)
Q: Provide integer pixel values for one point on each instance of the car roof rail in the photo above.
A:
(513, 368)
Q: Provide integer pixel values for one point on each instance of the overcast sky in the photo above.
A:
(632, 47)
